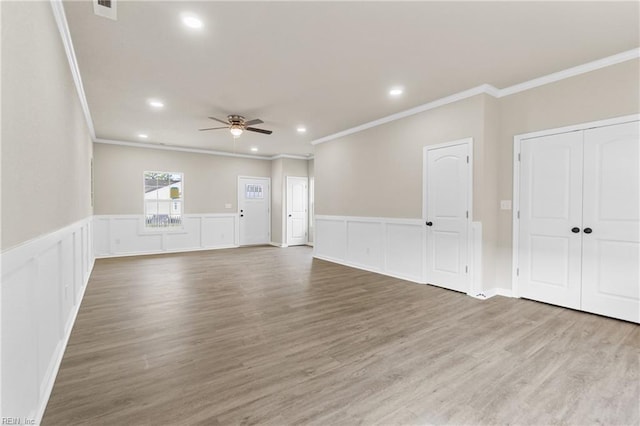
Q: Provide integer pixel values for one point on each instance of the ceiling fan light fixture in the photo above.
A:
(236, 130)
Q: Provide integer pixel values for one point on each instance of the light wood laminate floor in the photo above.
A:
(270, 336)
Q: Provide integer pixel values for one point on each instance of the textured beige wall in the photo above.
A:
(277, 192)
(46, 148)
(609, 92)
(312, 174)
(378, 172)
(294, 167)
(210, 181)
(486, 188)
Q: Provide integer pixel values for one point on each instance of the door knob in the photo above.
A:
(588, 230)
(289, 215)
(241, 215)
(575, 230)
(429, 223)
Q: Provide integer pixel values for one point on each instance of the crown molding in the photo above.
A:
(492, 91)
(295, 157)
(65, 35)
(571, 72)
(179, 148)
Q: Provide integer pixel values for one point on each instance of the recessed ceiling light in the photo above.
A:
(143, 135)
(254, 149)
(191, 21)
(396, 91)
(301, 129)
(156, 104)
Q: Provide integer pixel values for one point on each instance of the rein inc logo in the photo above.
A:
(17, 421)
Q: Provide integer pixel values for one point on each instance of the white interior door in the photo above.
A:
(551, 219)
(297, 194)
(254, 198)
(611, 279)
(448, 185)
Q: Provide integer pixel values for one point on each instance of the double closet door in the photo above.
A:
(579, 225)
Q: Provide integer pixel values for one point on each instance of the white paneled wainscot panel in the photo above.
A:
(43, 281)
(125, 235)
(389, 246)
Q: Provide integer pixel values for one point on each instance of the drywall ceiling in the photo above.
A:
(326, 65)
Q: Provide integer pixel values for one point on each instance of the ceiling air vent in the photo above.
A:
(105, 8)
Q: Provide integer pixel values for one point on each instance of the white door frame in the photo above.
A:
(285, 216)
(268, 179)
(517, 141)
(470, 255)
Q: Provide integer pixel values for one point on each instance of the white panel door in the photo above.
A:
(297, 195)
(611, 231)
(253, 204)
(447, 205)
(551, 219)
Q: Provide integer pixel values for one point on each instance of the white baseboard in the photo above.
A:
(497, 292)
(148, 253)
(278, 244)
(365, 268)
(43, 284)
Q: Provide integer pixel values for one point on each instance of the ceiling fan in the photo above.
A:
(237, 124)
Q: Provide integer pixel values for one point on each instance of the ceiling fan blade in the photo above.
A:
(214, 128)
(252, 122)
(253, 129)
(221, 121)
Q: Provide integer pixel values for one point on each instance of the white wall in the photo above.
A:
(125, 235)
(43, 282)
(389, 246)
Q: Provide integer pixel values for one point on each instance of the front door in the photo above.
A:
(296, 210)
(447, 215)
(254, 198)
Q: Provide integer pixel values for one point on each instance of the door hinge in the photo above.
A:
(467, 214)
(518, 214)
(466, 269)
(467, 159)
(517, 272)
(518, 156)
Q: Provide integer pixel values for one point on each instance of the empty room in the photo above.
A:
(320, 213)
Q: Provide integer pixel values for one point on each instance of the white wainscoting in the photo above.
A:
(388, 246)
(394, 247)
(125, 235)
(43, 281)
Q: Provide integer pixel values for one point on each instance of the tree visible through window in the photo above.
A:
(163, 199)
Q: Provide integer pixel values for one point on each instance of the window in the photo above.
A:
(163, 199)
(253, 190)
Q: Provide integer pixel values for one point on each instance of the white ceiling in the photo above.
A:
(326, 65)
